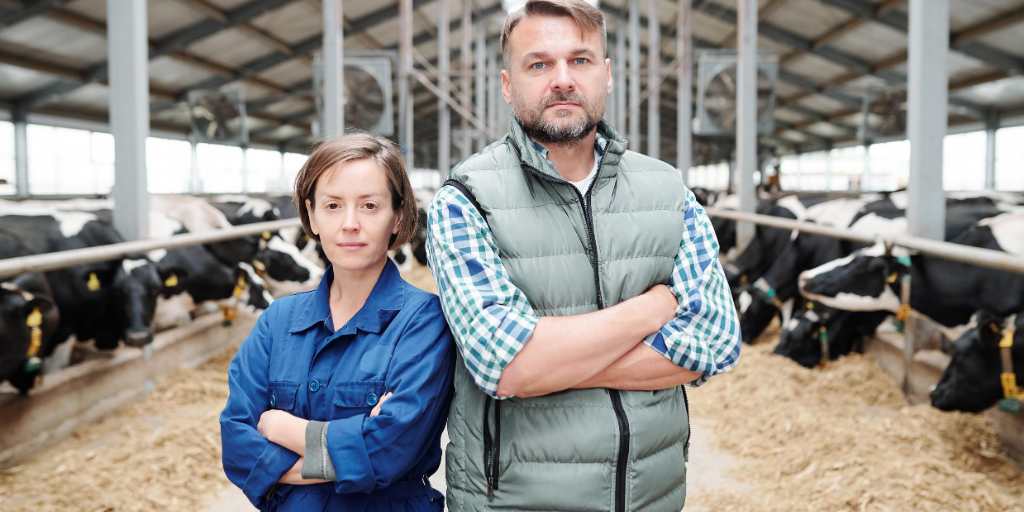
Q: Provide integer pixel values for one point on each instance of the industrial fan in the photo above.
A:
(218, 116)
(367, 92)
(716, 93)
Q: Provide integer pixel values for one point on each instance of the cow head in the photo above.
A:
(284, 268)
(136, 285)
(866, 280)
(22, 311)
(757, 305)
(259, 297)
(803, 336)
(971, 381)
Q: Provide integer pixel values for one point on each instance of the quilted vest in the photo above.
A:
(572, 253)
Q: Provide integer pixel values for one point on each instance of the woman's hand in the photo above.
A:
(280, 427)
(376, 408)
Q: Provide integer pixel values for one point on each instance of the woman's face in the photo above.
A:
(353, 214)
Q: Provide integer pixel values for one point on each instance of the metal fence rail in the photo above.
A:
(63, 259)
(956, 252)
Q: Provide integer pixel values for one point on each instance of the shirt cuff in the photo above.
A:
(273, 463)
(347, 450)
(317, 465)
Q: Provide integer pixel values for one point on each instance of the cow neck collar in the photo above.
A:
(384, 302)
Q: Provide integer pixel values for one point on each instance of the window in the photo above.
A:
(220, 168)
(890, 165)
(713, 176)
(65, 161)
(264, 168)
(963, 161)
(1010, 158)
(291, 164)
(7, 166)
(169, 164)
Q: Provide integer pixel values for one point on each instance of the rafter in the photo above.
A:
(30, 9)
(165, 46)
(997, 22)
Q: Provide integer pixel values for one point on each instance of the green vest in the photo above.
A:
(577, 450)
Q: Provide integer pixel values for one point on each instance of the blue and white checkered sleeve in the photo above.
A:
(705, 335)
(490, 318)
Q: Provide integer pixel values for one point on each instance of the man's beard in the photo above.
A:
(567, 135)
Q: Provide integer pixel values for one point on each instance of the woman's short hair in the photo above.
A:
(348, 148)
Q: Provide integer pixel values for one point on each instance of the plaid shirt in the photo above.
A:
(492, 320)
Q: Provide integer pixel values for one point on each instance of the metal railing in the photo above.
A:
(63, 259)
(956, 252)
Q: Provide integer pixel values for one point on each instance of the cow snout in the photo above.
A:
(138, 338)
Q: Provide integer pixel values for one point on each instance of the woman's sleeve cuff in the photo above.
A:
(317, 464)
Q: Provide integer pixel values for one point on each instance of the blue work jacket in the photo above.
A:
(295, 360)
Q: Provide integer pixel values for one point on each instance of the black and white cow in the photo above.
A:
(106, 301)
(279, 261)
(971, 382)
(819, 332)
(946, 291)
(26, 304)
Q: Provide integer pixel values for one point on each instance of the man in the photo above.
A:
(551, 249)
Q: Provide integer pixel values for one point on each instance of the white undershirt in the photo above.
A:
(584, 184)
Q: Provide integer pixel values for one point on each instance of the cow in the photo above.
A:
(28, 321)
(107, 301)
(946, 291)
(971, 382)
(278, 261)
(819, 333)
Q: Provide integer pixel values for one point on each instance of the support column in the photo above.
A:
(480, 79)
(405, 102)
(653, 80)
(128, 48)
(333, 69)
(465, 82)
(684, 77)
(621, 82)
(634, 76)
(493, 88)
(21, 156)
(746, 115)
(991, 126)
(444, 71)
(195, 184)
(865, 139)
(927, 96)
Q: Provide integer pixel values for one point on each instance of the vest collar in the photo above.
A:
(529, 155)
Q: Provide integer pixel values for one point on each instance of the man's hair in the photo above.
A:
(359, 146)
(590, 19)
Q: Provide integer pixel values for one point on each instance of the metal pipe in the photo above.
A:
(21, 158)
(746, 115)
(620, 85)
(962, 253)
(465, 83)
(63, 259)
(444, 118)
(405, 100)
(991, 126)
(653, 81)
(684, 80)
(333, 69)
(634, 76)
(481, 81)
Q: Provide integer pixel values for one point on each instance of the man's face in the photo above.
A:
(558, 81)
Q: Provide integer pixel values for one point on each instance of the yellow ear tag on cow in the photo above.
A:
(1007, 341)
(172, 281)
(94, 282)
(35, 318)
(810, 306)
(266, 235)
(893, 277)
(258, 265)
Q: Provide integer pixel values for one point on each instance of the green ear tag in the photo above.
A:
(903, 260)
(1010, 405)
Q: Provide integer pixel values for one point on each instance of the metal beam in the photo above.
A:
(465, 80)
(405, 47)
(129, 115)
(21, 183)
(897, 20)
(634, 76)
(444, 119)
(165, 46)
(997, 22)
(30, 9)
(654, 83)
(684, 87)
(746, 115)
(333, 70)
(991, 126)
(926, 116)
(481, 81)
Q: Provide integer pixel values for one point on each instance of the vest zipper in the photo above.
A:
(689, 434)
(492, 449)
(620, 413)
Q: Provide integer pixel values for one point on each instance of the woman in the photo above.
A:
(306, 426)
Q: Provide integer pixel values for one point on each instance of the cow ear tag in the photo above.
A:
(893, 277)
(260, 267)
(94, 282)
(266, 235)
(1010, 405)
(172, 281)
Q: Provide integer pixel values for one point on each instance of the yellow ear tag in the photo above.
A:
(172, 281)
(35, 318)
(1007, 341)
(994, 328)
(258, 265)
(893, 277)
(266, 235)
(810, 306)
(94, 282)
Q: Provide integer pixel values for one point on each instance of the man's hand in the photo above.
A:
(663, 305)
